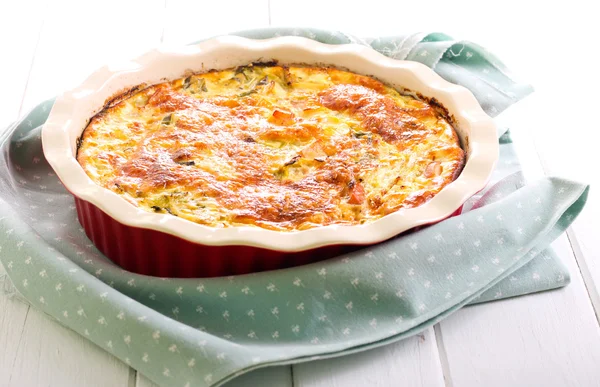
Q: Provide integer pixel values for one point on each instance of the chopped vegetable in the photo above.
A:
(194, 84)
(360, 134)
(247, 93)
(202, 85)
(160, 209)
(357, 194)
(280, 117)
(433, 169)
(314, 152)
(263, 81)
(292, 161)
(167, 120)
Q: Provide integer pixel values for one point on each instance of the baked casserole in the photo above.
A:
(315, 160)
(279, 147)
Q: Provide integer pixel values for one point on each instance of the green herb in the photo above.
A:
(286, 77)
(202, 85)
(240, 70)
(194, 84)
(360, 134)
(279, 174)
(247, 93)
(167, 119)
(178, 194)
(263, 81)
(160, 209)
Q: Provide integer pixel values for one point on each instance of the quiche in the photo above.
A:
(285, 148)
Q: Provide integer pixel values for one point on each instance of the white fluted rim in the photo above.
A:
(71, 113)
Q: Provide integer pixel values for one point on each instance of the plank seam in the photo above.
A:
(37, 44)
(585, 273)
(132, 378)
(19, 344)
(162, 32)
(443, 356)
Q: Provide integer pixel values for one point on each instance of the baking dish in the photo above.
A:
(163, 245)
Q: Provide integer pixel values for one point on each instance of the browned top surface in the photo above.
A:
(273, 147)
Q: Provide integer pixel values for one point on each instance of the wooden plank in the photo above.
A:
(79, 37)
(561, 143)
(410, 362)
(38, 351)
(546, 339)
(12, 319)
(13, 77)
(52, 355)
(272, 376)
(187, 21)
(583, 236)
(17, 65)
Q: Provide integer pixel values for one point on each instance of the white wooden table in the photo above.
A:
(548, 339)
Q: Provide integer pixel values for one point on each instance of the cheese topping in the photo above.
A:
(283, 148)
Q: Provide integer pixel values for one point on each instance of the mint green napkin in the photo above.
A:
(203, 332)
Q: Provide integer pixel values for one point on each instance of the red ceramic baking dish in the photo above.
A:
(167, 246)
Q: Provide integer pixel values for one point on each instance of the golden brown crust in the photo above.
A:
(274, 147)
